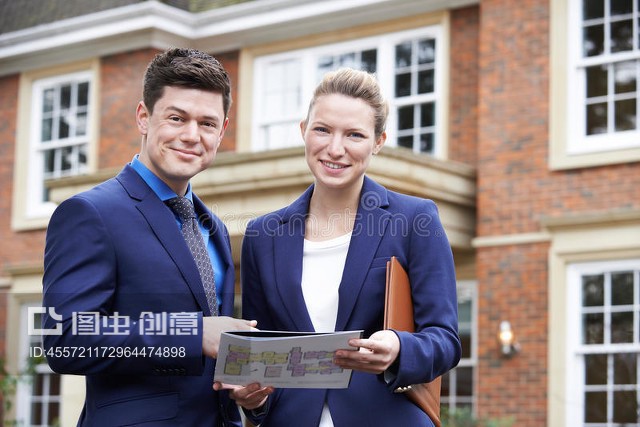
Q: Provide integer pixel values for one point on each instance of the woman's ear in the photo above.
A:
(379, 143)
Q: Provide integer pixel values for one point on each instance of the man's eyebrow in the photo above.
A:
(184, 112)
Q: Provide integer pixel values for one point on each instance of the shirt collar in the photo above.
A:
(162, 190)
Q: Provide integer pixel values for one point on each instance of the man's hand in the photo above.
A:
(213, 326)
(375, 356)
(249, 397)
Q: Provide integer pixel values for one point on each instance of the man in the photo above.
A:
(131, 295)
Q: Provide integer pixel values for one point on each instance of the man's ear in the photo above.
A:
(142, 118)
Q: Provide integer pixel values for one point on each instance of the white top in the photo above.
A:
(322, 267)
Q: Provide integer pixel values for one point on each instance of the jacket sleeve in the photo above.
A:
(435, 347)
(80, 284)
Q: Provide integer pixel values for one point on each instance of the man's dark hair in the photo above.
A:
(187, 68)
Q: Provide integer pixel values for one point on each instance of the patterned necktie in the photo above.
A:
(183, 207)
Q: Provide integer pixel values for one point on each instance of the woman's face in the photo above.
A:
(340, 140)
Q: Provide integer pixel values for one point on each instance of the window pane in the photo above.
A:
(370, 60)
(63, 127)
(403, 84)
(348, 60)
(593, 290)
(619, 7)
(625, 368)
(596, 81)
(622, 288)
(67, 159)
(403, 55)
(36, 413)
(65, 96)
(54, 384)
(593, 328)
(596, 119)
(464, 381)
(625, 115)
(49, 162)
(54, 413)
(622, 327)
(37, 389)
(622, 36)
(446, 378)
(427, 115)
(593, 40)
(83, 94)
(625, 407)
(405, 117)
(82, 157)
(405, 141)
(593, 9)
(46, 129)
(426, 143)
(595, 407)
(426, 51)
(595, 366)
(624, 77)
(426, 81)
(47, 100)
(81, 124)
(465, 339)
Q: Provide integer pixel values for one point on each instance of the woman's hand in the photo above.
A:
(376, 353)
(249, 397)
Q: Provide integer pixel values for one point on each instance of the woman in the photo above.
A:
(319, 264)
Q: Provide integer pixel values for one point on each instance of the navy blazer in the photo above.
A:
(387, 224)
(116, 250)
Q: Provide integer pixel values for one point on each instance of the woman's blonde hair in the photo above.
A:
(356, 84)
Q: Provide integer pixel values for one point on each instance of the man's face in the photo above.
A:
(182, 136)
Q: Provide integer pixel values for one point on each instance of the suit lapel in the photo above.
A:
(163, 225)
(288, 249)
(369, 228)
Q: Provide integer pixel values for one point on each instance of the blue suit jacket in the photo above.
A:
(387, 224)
(115, 250)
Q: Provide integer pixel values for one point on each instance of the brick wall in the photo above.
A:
(120, 91)
(515, 189)
(463, 85)
(16, 248)
(230, 61)
(513, 192)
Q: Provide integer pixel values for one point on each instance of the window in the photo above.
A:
(59, 136)
(38, 393)
(604, 110)
(604, 357)
(458, 384)
(408, 64)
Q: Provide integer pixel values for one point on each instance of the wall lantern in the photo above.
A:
(507, 339)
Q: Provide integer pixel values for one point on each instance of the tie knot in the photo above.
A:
(182, 207)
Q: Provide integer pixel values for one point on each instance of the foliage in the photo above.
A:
(463, 417)
(9, 384)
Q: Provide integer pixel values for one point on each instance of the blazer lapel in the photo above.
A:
(369, 228)
(162, 222)
(288, 248)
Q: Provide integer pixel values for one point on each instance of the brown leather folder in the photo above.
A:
(398, 315)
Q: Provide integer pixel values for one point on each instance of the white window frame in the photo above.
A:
(574, 374)
(384, 44)
(578, 143)
(35, 206)
(24, 396)
(468, 289)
